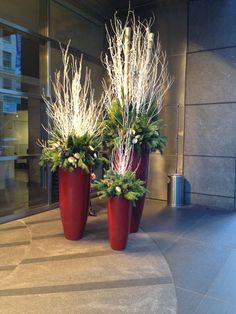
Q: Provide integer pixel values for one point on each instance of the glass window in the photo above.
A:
(6, 59)
(85, 35)
(97, 70)
(21, 63)
(25, 13)
(23, 183)
(7, 83)
(6, 36)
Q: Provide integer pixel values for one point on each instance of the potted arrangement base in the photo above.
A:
(74, 190)
(140, 165)
(121, 188)
(119, 215)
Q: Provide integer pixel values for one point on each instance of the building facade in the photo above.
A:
(200, 111)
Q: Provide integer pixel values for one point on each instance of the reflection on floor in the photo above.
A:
(20, 194)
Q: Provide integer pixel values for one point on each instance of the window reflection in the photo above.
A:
(85, 35)
(19, 63)
(22, 181)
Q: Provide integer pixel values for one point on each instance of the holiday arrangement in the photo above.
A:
(138, 80)
(74, 147)
(121, 187)
(124, 124)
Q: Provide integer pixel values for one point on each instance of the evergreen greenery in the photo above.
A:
(83, 152)
(114, 184)
(145, 128)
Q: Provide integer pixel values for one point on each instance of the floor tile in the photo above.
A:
(224, 286)
(12, 255)
(194, 265)
(214, 306)
(188, 301)
(170, 220)
(163, 240)
(145, 300)
(11, 235)
(215, 228)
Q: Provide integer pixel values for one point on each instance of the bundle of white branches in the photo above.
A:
(73, 110)
(122, 155)
(136, 66)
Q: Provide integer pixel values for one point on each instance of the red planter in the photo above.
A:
(74, 188)
(119, 214)
(140, 165)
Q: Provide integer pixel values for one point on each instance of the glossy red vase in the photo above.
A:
(74, 189)
(119, 215)
(140, 165)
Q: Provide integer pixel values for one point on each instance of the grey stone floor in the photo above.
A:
(199, 245)
(41, 272)
(182, 260)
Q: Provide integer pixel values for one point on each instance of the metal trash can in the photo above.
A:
(175, 190)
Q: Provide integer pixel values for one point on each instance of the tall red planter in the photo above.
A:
(140, 165)
(74, 189)
(119, 215)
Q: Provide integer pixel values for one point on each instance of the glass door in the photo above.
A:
(23, 183)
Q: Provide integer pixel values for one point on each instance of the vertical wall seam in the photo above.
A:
(235, 184)
(185, 89)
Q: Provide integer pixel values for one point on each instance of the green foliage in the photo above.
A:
(145, 128)
(114, 184)
(83, 152)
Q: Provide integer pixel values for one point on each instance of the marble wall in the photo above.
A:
(210, 104)
(200, 40)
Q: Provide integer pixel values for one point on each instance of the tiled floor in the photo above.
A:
(182, 260)
(200, 247)
(41, 272)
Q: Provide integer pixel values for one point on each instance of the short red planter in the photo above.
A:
(119, 215)
(74, 188)
(140, 165)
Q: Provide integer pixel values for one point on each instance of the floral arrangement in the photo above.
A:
(138, 76)
(119, 180)
(75, 134)
(83, 152)
(114, 184)
(145, 134)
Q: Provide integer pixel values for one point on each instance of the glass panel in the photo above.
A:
(7, 59)
(22, 181)
(97, 70)
(20, 63)
(25, 13)
(97, 74)
(85, 35)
